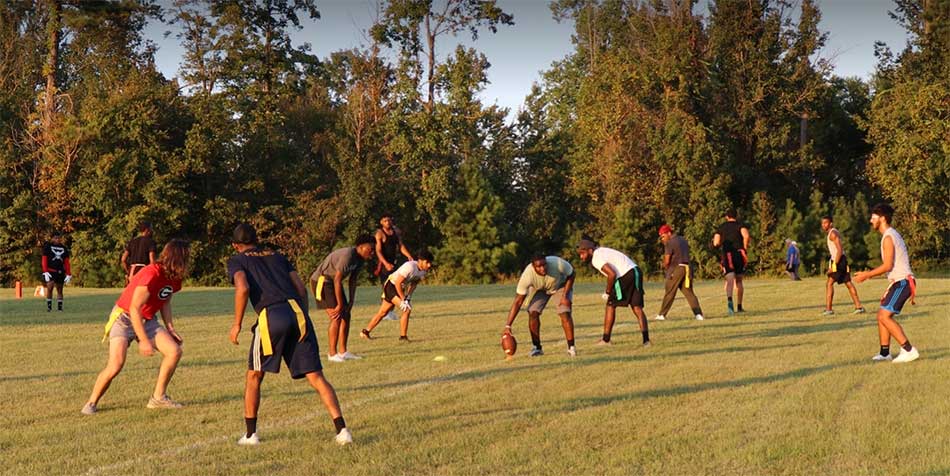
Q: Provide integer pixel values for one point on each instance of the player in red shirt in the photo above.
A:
(133, 318)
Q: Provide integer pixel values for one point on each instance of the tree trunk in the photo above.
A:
(430, 73)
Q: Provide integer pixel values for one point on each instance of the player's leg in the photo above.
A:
(610, 313)
(854, 296)
(384, 309)
(171, 355)
(252, 401)
(344, 331)
(333, 333)
(567, 322)
(739, 291)
(59, 295)
(671, 284)
(118, 347)
(534, 328)
(730, 283)
(692, 300)
(49, 285)
(403, 320)
(329, 399)
(829, 294)
(642, 320)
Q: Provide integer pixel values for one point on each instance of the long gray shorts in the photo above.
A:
(540, 300)
(123, 328)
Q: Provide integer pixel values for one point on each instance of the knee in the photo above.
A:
(255, 376)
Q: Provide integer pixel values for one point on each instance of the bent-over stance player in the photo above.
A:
(548, 276)
(624, 285)
(397, 292)
(327, 285)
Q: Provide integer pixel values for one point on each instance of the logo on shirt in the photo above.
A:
(165, 293)
(57, 252)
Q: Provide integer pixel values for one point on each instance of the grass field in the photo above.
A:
(779, 390)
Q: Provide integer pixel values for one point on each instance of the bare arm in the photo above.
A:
(397, 282)
(836, 239)
(151, 257)
(338, 292)
(241, 292)
(513, 313)
(125, 261)
(568, 287)
(139, 298)
(611, 277)
(746, 238)
(379, 250)
(167, 319)
(887, 262)
(717, 240)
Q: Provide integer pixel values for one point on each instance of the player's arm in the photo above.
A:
(338, 292)
(66, 267)
(666, 260)
(139, 297)
(717, 240)
(746, 238)
(151, 257)
(301, 288)
(887, 262)
(379, 250)
(402, 246)
(241, 292)
(568, 287)
(611, 277)
(46, 274)
(513, 313)
(836, 240)
(398, 279)
(125, 261)
(412, 287)
(166, 311)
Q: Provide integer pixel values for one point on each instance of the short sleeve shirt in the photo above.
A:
(621, 263)
(410, 273)
(343, 260)
(139, 248)
(56, 256)
(730, 233)
(557, 271)
(268, 277)
(160, 290)
(678, 249)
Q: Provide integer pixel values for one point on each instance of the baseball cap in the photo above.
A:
(664, 229)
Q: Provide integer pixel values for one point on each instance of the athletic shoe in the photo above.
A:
(729, 308)
(344, 437)
(859, 310)
(335, 358)
(164, 402)
(350, 356)
(648, 344)
(249, 440)
(536, 352)
(879, 357)
(365, 334)
(906, 356)
(390, 316)
(659, 317)
(603, 342)
(571, 351)
(89, 409)
(699, 317)
(828, 312)
(404, 339)
(740, 308)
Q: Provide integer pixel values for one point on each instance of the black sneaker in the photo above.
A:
(404, 339)
(365, 334)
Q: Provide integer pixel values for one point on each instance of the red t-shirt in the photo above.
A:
(160, 290)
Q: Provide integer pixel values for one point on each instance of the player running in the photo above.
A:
(733, 237)
(133, 318)
(896, 263)
(678, 274)
(549, 277)
(838, 270)
(397, 292)
(624, 285)
(283, 330)
(140, 252)
(56, 270)
(389, 245)
(327, 286)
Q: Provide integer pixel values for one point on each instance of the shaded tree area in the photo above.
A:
(659, 114)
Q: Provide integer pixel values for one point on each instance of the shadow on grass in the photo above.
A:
(24, 378)
(801, 330)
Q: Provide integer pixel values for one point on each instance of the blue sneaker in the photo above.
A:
(730, 308)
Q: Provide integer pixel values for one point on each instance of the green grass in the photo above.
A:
(780, 390)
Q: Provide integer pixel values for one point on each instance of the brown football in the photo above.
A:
(509, 344)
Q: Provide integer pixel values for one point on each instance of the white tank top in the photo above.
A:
(831, 245)
(901, 269)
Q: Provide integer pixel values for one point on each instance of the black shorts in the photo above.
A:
(897, 294)
(628, 290)
(840, 271)
(324, 295)
(285, 322)
(389, 292)
(734, 262)
(57, 277)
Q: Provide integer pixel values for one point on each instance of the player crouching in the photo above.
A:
(397, 292)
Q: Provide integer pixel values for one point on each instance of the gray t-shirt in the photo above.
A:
(343, 260)
(557, 271)
(678, 249)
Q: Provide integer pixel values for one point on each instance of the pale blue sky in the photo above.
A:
(519, 53)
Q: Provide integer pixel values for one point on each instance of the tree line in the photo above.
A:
(658, 115)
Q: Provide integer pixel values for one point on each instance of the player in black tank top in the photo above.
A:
(389, 246)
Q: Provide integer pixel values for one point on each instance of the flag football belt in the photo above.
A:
(833, 267)
(264, 331)
(318, 294)
(687, 279)
(116, 313)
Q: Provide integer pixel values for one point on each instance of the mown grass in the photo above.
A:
(779, 390)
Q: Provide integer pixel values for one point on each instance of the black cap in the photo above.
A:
(244, 234)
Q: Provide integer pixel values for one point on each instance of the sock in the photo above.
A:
(729, 298)
(536, 342)
(251, 424)
(339, 423)
(646, 336)
(885, 350)
(49, 304)
(59, 304)
(906, 346)
(570, 343)
(606, 338)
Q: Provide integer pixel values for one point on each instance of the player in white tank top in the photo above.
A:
(896, 264)
(838, 270)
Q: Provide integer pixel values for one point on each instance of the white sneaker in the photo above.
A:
(89, 409)
(659, 317)
(350, 356)
(571, 351)
(699, 317)
(906, 356)
(603, 342)
(344, 437)
(879, 357)
(249, 440)
(390, 316)
(536, 352)
(335, 358)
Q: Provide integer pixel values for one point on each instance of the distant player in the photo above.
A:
(397, 292)
(678, 274)
(838, 270)
(133, 318)
(56, 270)
(389, 250)
(624, 285)
(327, 285)
(896, 263)
(139, 252)
(792, 260)
(283, 330)
(733, 237)
(549, 277)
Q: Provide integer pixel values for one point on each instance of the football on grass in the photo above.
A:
(509, 344)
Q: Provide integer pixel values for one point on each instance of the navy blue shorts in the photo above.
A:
(282, 341)
(897, 294)
(628, 290)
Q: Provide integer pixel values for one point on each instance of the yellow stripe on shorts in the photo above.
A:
(264, 332)
(301, 319)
